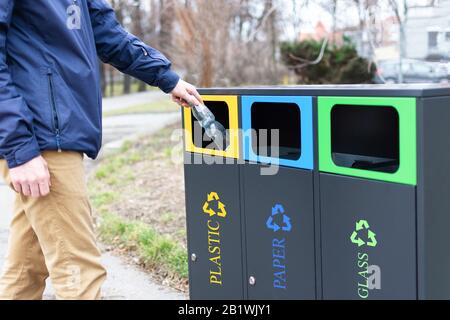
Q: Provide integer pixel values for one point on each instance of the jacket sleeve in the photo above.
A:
(126, 52)
(18, 143)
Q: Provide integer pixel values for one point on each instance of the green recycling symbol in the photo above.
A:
(363, 225)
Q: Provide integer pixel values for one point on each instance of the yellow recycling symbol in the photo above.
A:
(214, 197)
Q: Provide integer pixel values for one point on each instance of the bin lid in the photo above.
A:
(372, 90)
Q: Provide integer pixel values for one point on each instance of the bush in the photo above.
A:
(339, 65)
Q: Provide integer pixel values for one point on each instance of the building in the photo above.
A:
(428, 30)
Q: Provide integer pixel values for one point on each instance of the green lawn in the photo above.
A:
(154, 250)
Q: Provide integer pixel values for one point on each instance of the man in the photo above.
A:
(50, 116)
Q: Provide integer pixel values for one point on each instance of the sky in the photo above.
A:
(311, 15)
(347, 14)
(315, 12)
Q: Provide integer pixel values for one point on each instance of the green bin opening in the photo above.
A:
(365, 137)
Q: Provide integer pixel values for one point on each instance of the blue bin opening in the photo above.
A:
(268, 117)
(291, 144)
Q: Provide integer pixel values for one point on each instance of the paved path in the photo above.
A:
(124, 281)
(134, 99)
(117, 130)
(121, 128)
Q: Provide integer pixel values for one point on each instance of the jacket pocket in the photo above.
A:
(54, 109)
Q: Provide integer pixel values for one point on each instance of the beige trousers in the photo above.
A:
(53, 237)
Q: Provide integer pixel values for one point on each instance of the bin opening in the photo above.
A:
(285, 117)
(365, 137)
(222, 115)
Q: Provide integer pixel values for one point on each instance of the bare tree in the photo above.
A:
(122, 9)
(334, 10)
(167, 22)
(116, 4)
(226, 42)
(220, 42)
(137, 28)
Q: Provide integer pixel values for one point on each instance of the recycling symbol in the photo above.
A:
(213, 197)
(370, 240)
(278, 210)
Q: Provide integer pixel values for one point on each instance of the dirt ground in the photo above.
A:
(156, 195)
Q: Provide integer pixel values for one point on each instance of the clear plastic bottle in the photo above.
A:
(213, 128)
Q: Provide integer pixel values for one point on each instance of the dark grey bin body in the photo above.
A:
(201, 180)
(412, 222)
(291, 252)
(390, 209)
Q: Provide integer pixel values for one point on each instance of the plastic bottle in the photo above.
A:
(213, 128)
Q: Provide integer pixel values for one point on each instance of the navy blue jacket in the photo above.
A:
(50, 97)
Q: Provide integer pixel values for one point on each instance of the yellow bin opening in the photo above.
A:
(225, 108)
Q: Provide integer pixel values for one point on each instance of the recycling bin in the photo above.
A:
(348, 200)
(278, 197)
(372, 200)
(213, 207)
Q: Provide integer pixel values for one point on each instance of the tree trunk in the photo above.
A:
(102, 77)
(119, 9)
(166, 22)
(126, 84)
(334, 13)
(111, 81)
(273, 34)
(138, 31)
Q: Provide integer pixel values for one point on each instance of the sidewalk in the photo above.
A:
(114, 103)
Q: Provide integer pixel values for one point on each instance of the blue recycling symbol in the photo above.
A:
(278, 210)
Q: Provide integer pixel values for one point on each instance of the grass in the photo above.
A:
(153, 249)
(113, 182)
(101, 199)
(152, 107)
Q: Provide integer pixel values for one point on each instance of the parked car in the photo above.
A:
(442, 59)
(414, 71)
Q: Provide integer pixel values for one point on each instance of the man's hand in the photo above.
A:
(32, 178)
(185, 94)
